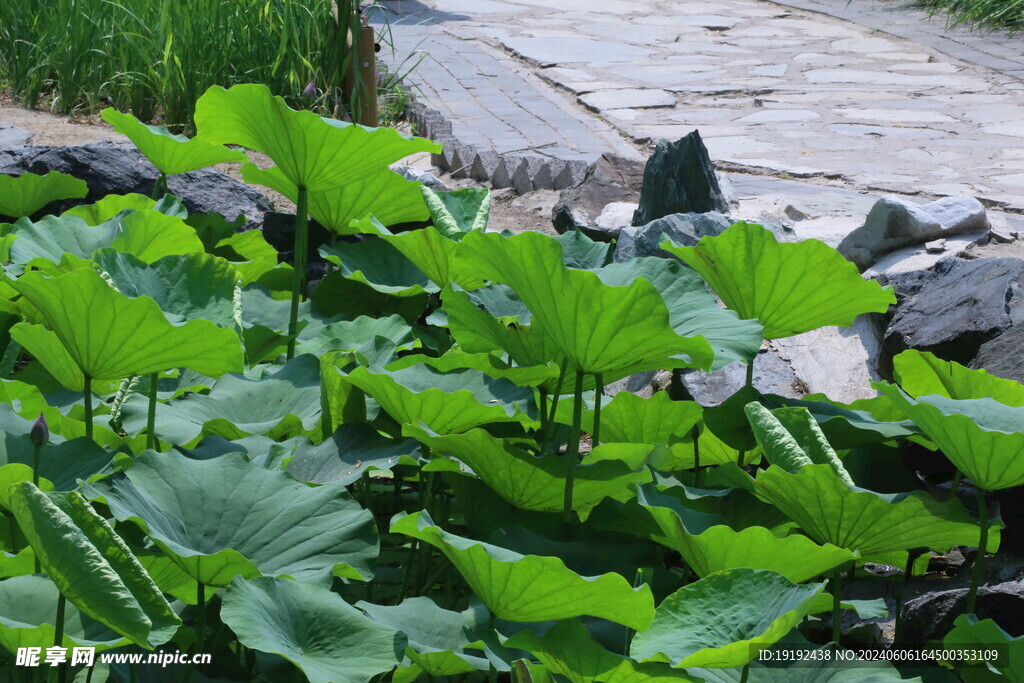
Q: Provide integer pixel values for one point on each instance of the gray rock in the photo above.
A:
(679, 178)
(571, 174)
(110, 167)
(772, 375)
(954, 308)
(523, 176)
(684, 229)
(936, 247)
(1002, 355)
(895, 222)
(643, 384)
(611, 179)
(930, 616)
(462, 160)
(507, 165)
(484, 165)
(12, 138)
(614, 218)
(417, 176)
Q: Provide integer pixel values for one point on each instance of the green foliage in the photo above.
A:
(23, 195)
(415, 472)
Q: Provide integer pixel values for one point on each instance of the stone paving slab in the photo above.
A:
(779, 87)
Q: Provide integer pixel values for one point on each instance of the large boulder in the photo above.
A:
(610, 179)
(679, 178)
(931, 615)
(684, 229)
(895, 222)
(110, 167)
(954, 308)
(1002, 355)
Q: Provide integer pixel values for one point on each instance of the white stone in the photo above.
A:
(632, 98)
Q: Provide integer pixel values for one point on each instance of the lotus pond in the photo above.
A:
(410, 471)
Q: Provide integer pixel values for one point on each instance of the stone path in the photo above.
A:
(773, 89)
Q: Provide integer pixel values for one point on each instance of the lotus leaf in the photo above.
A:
(309, 152)
(264, 522)
(436, 636)
(971, 633)
(28, 605)
(789, 287)
(920, 374)
(721, 620)
(91, 565)
(630, 325)
(526, 481)
(387, 196)
(376, 263)
(457, 213)
(447, 402)
(119, 337)
(982, 437)
(331, 641)
(23, 195)
(831, 511)
(352, 451)
(171, 154)
(529, 587)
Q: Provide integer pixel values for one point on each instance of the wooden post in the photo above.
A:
(366, 65)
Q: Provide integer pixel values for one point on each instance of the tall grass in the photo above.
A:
(155, 57)
(980, 14)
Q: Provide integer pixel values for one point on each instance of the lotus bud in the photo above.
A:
(310, 90)
(40, 433)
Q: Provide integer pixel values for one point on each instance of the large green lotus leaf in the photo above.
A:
(982, 437)
(791, 439)
(530, 587)
(91, 565)
(281, 405)
(456, 213)
(861, 423)
(628, 418)
(598, 328)
(692, 308)
(228, 517)
(350, 335)
(447, 402)
(719, 621)
(789, 287)
(110, 206)
(340, 296)
(51, 237)
(709, 544)
(23, 195)
(488, 363)
(831, 511)
(579, 251)
(970, 633)
(151, 235)
(313, 628)
(427, 248)
(28, 608)
(310, 152)
(436, 636)
(352, 451)
(254, 259)
(117, 337)
(376, 263)
(919, 374)
(389, 197)
(526, 481)
(568, 650)
(191, 286)
(171, 154)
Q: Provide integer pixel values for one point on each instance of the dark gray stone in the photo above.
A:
(570, 175)
(953, 309)
(679, 178)
(462, 160)
(611, 179)
(930, 616)
(484, 165)
(110, 167)
(1002, 355)
(684, 229)
(895, 222)
(522, 177)
(507, 166)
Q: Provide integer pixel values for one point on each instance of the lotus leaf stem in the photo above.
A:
(151, 440)
(200, 611)
(696, 457)
(955, 484)
(837, 606)
(573, 452)
(58, 635)
(750, 372)
(979, 558)
(299, 257)
(160, 187)
(745, 673)
(87, 391)
(598, 393)
(554, 405)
